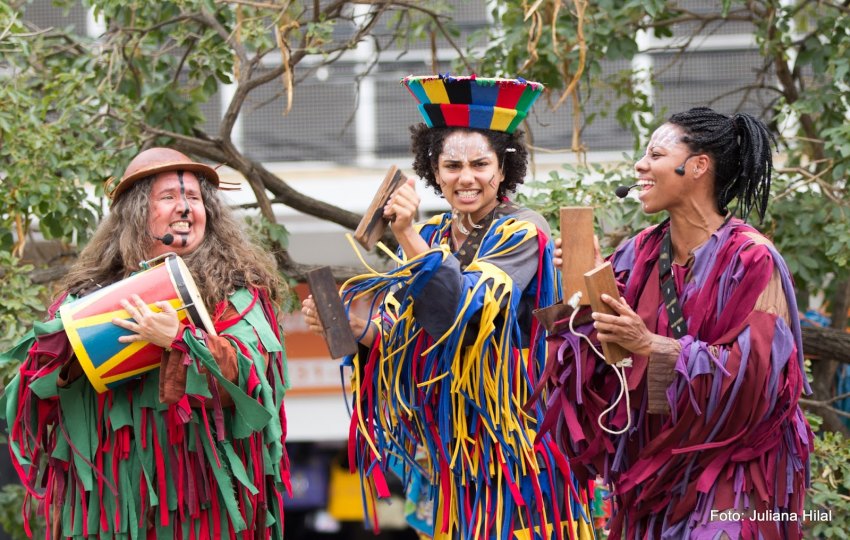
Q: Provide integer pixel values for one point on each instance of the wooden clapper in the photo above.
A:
(331, 312)
(329, 308)
(372, 225)
(578, 274)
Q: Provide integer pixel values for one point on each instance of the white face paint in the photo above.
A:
(661, 187)
(468, 173)
(665, 137)
(457, 147)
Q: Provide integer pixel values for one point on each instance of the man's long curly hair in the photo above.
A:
(427, 145)
(225, 261)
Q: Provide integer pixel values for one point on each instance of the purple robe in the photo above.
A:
(734, 438)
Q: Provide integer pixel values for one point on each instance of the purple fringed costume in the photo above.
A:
(734, 438)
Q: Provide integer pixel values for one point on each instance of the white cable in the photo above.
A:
(573, 302)
(619, 369)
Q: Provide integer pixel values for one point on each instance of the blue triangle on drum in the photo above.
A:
(101, 341)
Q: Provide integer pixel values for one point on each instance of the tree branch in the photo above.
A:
(822, 343)
(823, 405)
(789, 89)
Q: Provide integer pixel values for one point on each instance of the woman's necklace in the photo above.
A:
(457, 225)
(455, 238)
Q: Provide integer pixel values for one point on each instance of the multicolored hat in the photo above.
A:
(474, 102)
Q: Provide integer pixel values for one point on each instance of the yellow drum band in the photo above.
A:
(94, 373)
(93, 336)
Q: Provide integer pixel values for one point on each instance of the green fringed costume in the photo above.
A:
(194, 449)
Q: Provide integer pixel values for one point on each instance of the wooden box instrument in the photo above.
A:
(372, 225)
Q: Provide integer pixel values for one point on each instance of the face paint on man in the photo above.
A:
(184, 237)
(171, 195)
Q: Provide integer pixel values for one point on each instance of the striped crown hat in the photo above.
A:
(474, 102)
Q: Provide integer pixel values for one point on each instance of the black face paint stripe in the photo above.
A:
(185, 213)
(184, 237)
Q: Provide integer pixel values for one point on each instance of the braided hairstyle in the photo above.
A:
(427, 145)
(740, 148)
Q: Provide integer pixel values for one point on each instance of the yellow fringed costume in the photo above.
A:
(439, 397)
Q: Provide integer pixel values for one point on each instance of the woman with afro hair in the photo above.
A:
(452, 354)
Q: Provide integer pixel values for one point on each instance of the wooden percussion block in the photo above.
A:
(578, 251)
(556, 318)
(331, 312)
(578, 258)
(600, 281)
(372, 225)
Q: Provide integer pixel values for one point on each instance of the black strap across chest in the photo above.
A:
(668, 288)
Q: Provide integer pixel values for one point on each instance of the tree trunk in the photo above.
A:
(824, 370)
(826, 344)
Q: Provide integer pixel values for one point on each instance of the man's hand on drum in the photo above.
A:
(157, 327)
(357, 324)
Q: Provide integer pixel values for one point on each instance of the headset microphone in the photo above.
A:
(680, 170)
(166, 239)
(622, 191)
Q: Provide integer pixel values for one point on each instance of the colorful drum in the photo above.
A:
(108, 362)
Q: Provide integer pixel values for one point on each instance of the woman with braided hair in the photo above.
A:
(711, 442)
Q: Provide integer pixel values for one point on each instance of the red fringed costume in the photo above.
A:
(192, 450)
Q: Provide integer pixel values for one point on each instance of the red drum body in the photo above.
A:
(108, 362)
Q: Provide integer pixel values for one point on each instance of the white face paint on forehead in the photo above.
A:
(466, 146)
(666, 136)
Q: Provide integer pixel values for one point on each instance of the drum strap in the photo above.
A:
(668, 285)
(84, 289)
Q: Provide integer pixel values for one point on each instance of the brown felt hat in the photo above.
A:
(158, 160)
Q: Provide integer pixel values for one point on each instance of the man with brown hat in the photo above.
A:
(194, 448)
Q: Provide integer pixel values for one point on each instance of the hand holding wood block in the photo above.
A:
(600, 281)
(577, 250)
(371, 228)
(578, 256)
(331, 312)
